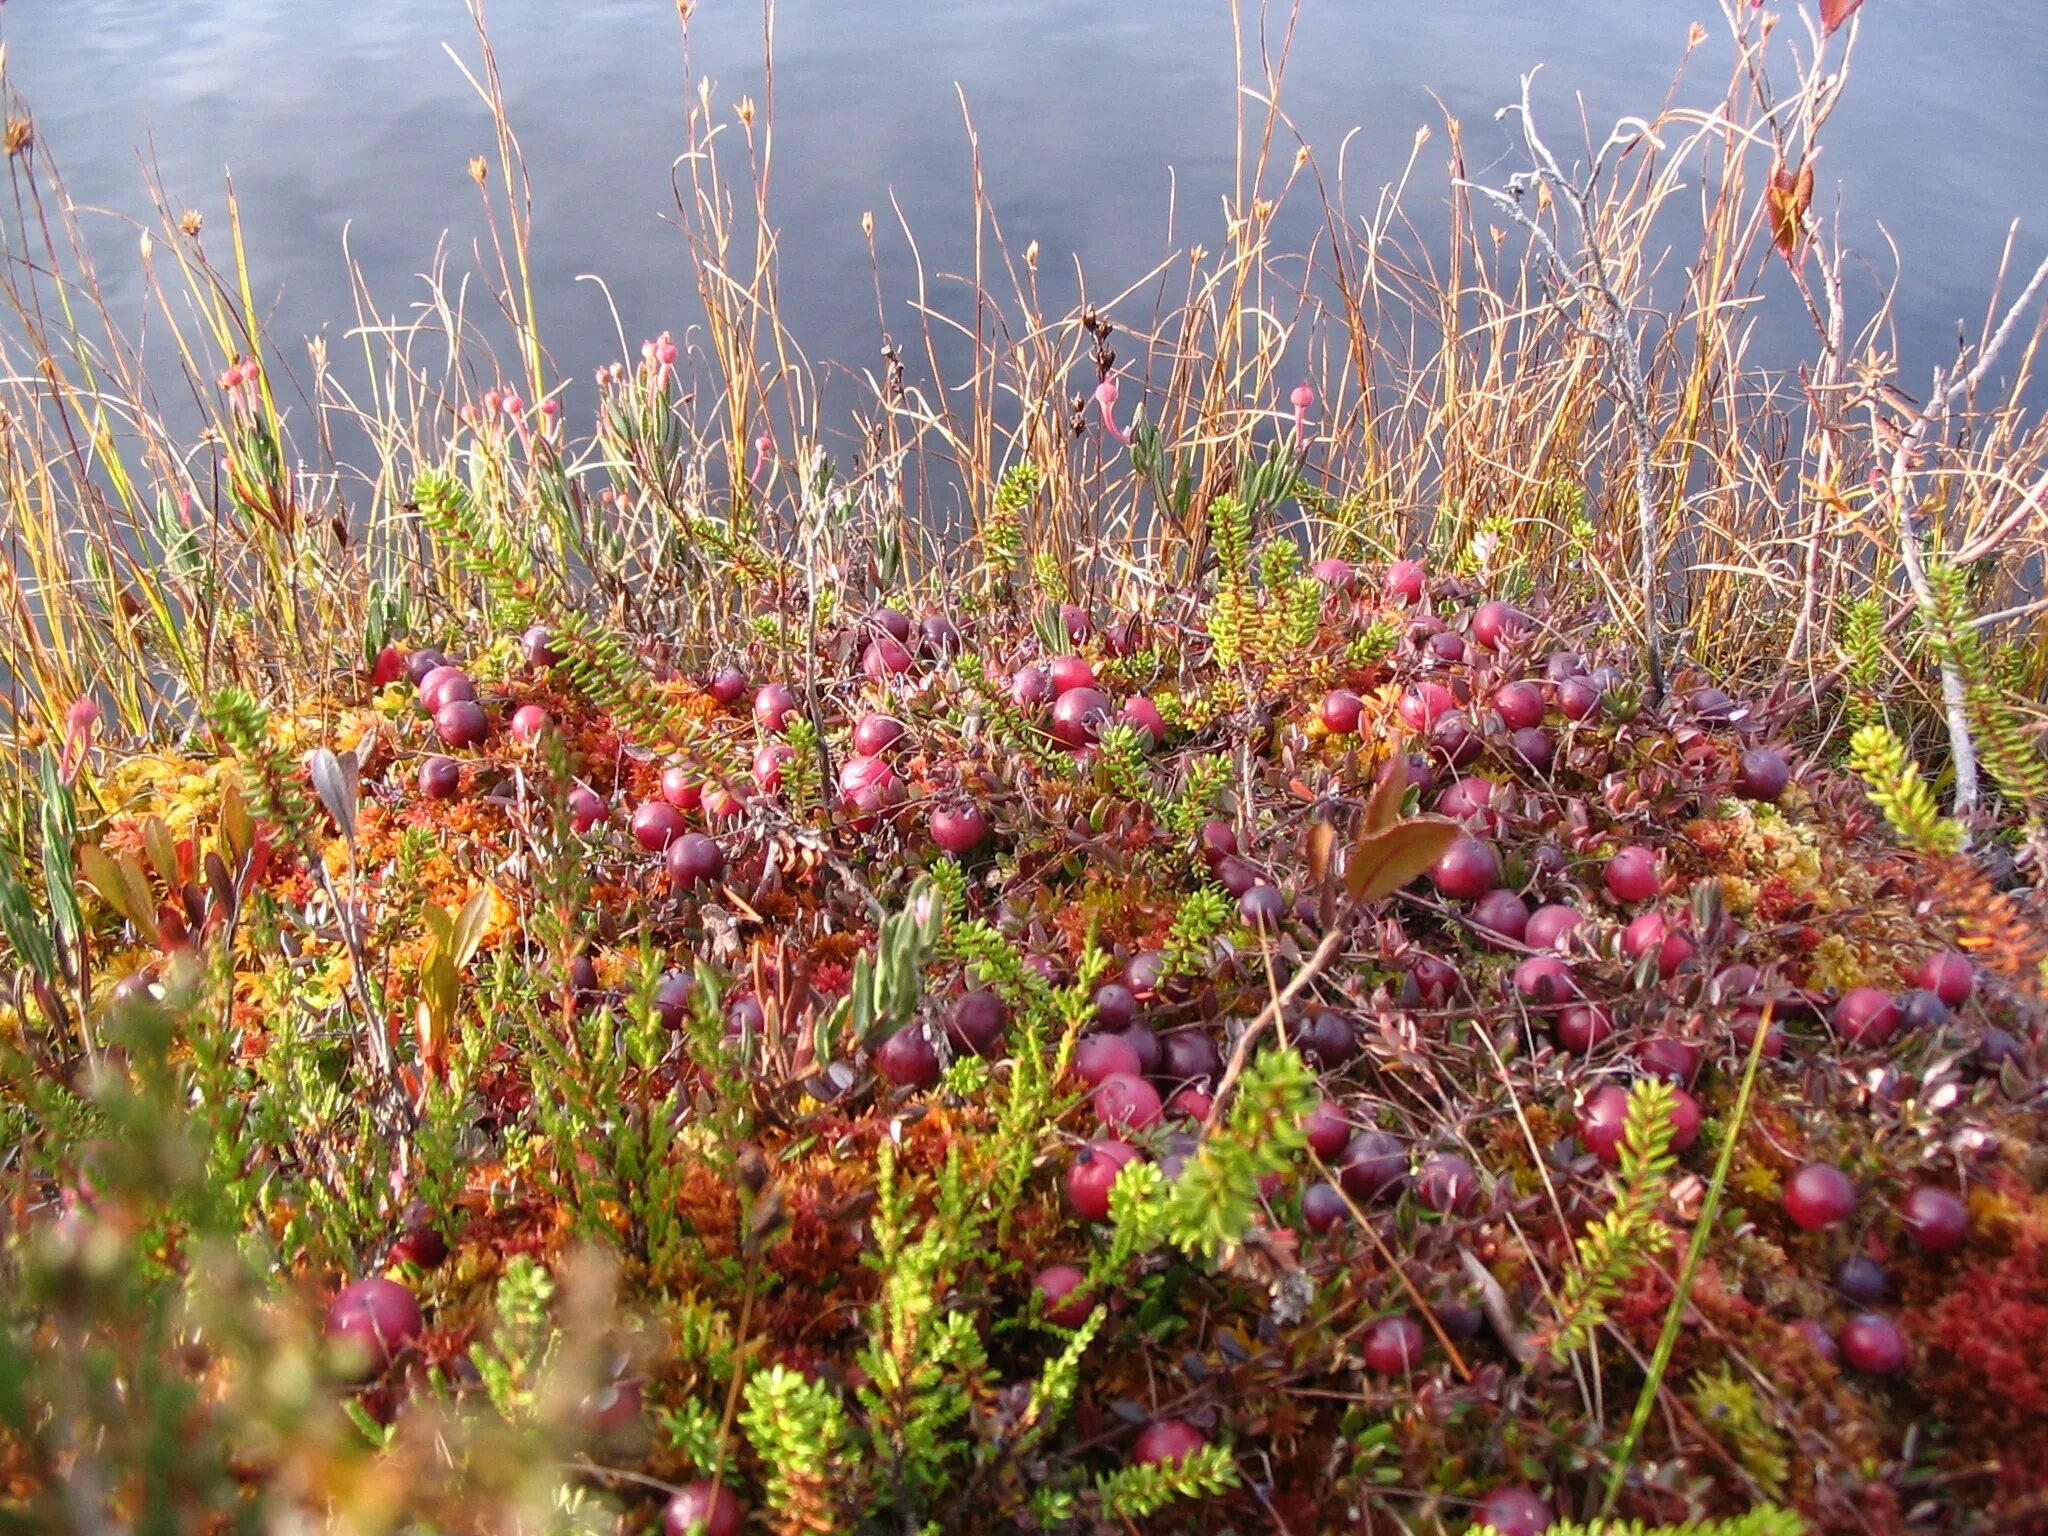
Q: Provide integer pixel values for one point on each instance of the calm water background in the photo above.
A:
(335, 114)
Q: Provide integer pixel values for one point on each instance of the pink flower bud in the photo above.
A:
(514, 406)
(1105, 396)
(1303, 397)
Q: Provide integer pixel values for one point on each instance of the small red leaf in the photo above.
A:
(1382, 862)
(1834, 12)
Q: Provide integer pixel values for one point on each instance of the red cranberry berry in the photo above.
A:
(1322, 1207)
(461, 723)
(977, 1022)
(703, 1509)
(1866, 1016)
(422, 664)
(586, 808)
(672, 998)
(1603, 1118)
(440, 778)
(681, 788)
(773, 705)
(938, 635)
(1190, 1055)
(1578, 1029)
(373, 1320)
(1124, 1102)
(907, 1059)
(1861, 1279)
(1393, 1346)
(1099, 1057)
(1093, 1171)
(1327, 1129)
(1762, 775)
(1335, 574)
(768, 765)
(1262, 907)
(1545, 981)
(1819, 1195)
(875, 734)
(1515, 1512)
(1673, 1061)
(445, 685)
(727, 684)
(1067, 673)
(1144, 715)
(1216, 842)
(1949, 976)
(694, 858)
(1496, 624)
(529, 724)
(1873, 1343)
(1424, 704)
(1404, 581)
(1167, 1441)
(1550, 927)
(1329, 1039)
(1936, 1219)
(892, 622)
(959, 829)
(1030, 687)
(1077, 717)
(1341, 709)
(1448, 1186)
(1371, 1163)
(1501, 915)
(884, 657)
(1467, 870)
(1631, 875)
(656, 824)
(1577, 699)
(1065, 1302)
(1452, 738)
(1519, 705)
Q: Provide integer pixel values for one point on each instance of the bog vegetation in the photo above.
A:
(1429, 922)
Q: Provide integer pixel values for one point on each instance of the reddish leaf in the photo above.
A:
(1383, 862)
(1834, 12)
(1790, 195)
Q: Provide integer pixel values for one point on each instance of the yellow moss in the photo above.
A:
(1837, 965)
(1738, 895)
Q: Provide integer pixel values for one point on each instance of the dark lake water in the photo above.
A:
(335, 116)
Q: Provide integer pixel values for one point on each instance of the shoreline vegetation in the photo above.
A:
(1429, 922)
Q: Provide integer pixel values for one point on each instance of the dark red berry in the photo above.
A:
(1323, 1208)
(977, 1022)
(1873, 1343)
(1166, 1441)
(1093, 1171)
(656, 824)
(773, 705)
(1341, 709)
(1502, 915)
(1393, 1346)
(1866, 1016)
(1097, 1057)
(1496, 624)
(440, 778)
(1631, 875)
(703, 1509)
(462, 723)
(1550, 927)
(1066, 673)
(1937, 1220)
(1949, 976)
(1327, 1129)
(1519, 705)
(1861, 1279)
(1467, 870)
(1371, 1163)
(907, 1059)
(1819, 1195)
(1077, 717)
(1065, 1303)
(1578, 1029)
(1448, 1186)
(959, 828)
(1762, 775)
(1404, 581)
(727, 684)
(1515, 1512)
(1124, 1102)
(372, 1320)
(1545, 981)
(694, 858)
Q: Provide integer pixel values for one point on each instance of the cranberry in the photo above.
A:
(1371, 1163)
(1577, 699)
(1262, 907)
(1817, 1338)
(1078, 622)
(1866, 1016)
(1515, 1511)
(885, 657)
(1604, 1117)
(1189, 1055)
(1501, 914)
(461, 723)
(1467, 798)
(1762, 775)
(1873, 1343)
(1235, 875)
(1520, 705)
(537, 646)
(1404, 581)
(1631, 875)
(1098, 1057)
(875, 734)
(1446, 645)
(773, 705)
(1714, 705)
(1949, 976)
(1190, 1103)
(694, 858)
(1393, 1346)
(1142, 1040)
(1144, 714)
(867, 785)
(440, 778)
(1448, 1186)
(938, 635)
(959, 829)
(1675, 1061)
(1467, 870)
(1322, 1207)
(1077, 716)
(1166, 1441)
(373, 1320)
(1562, 667)
(1030, 687)
(1060, 1286)
(586, 808)
(1423, 704)
(1742, 1030)
(1496, 624)
(1861, 1279)
(656, 824)
(768, 765)
(420, 1244)
(1545, 981)
(672, 997)
(703, 1509)
(1341, 709)
(1535, 746)
(1435, 979)
(977, 1022)
(1068, 673)
(422, 664)
(1327, 1129)
(727, 684)
(1580, 1028)
(1452, 738)
(445, 685)
(1336, 574)
(907, 1058)
(1124, 1102)
(1216, 842)
(1920, 1009)
(1094, 1170)
(891, 622)
(1329, 1040)
(1937, 1220)
(1550, 926)
(681, 788)
(1652, 932)
(1819, 1195)
(529, 724)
